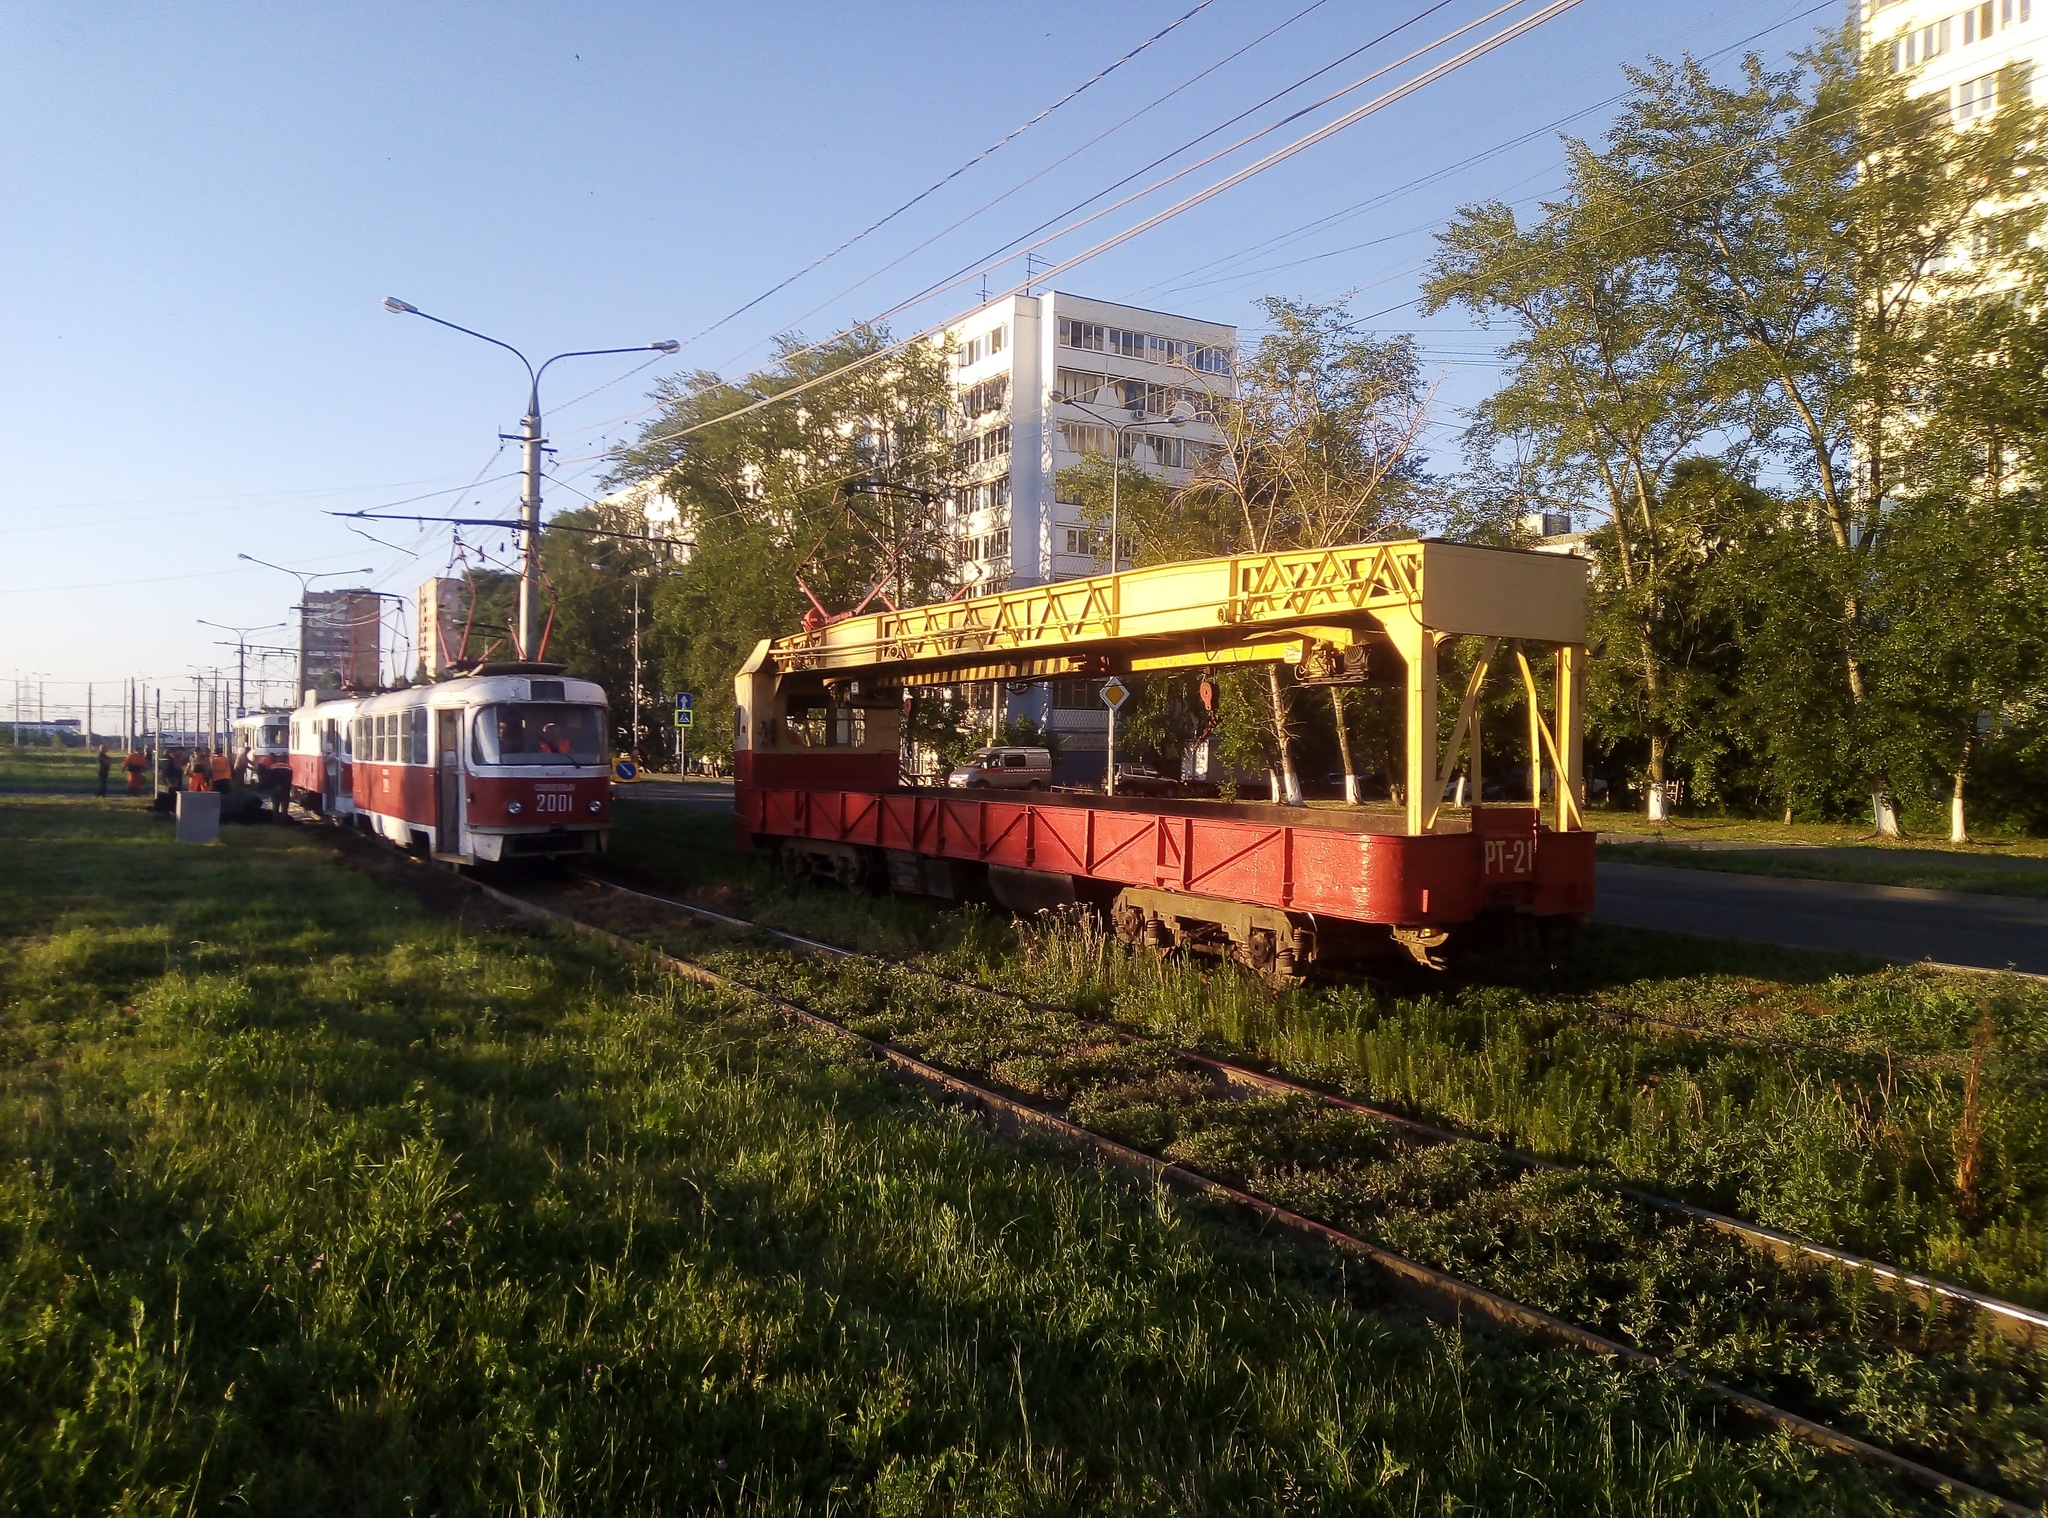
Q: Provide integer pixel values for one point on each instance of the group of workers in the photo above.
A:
(201, 770)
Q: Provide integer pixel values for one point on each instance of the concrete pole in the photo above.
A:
(636, 671)
(88, 714)
(529, 523)
(156, 757)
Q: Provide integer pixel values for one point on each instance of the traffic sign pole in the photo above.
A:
(1114, 694)
(685, 716)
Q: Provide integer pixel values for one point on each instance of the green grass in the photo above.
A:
(1830, 834)
(311, 1201)
(1813, 1093)
(54, 771)
(1562, 1242)
(1876, 869)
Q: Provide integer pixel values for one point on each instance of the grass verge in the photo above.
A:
(312, 1201)
(1872, 866)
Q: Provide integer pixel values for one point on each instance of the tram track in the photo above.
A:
(2025, 1326)
(1438, 1292)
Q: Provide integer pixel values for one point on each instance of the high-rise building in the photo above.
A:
(341, 644)
(1132, 381)
(1957, 51)
(444, 616)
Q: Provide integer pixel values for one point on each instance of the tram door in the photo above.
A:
(330, 768)
(448, 781)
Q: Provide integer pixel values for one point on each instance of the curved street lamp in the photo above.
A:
(530, 435)
(241, 647)
(305, 578)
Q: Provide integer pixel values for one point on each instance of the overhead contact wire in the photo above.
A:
(941, 183)
(1280, 155)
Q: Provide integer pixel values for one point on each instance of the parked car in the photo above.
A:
(1004, 769)
(1143, 780)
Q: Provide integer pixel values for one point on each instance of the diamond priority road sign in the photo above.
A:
(1115, 693)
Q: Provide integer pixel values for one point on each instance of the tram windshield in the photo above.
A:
(539, 733)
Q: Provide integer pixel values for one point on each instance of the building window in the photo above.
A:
(1976, 98)
(992, 394)
(1094, 337)
(1977, 23)
(993, 496)
(1087, 542)
(1076, 695)
(988, 345)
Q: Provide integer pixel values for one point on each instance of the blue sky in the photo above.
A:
(204, 205)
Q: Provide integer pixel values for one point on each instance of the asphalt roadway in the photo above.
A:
(1885, 922)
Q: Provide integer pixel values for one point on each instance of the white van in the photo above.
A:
(1005, 769)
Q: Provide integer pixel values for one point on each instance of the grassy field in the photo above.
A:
(1887, 1109)
(53, 771)
(311, 1200)
(1869, 865)
(1824, 834)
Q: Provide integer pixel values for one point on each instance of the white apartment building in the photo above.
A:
(1130, 378)
(1957, 50)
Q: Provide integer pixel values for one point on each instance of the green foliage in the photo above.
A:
(769, 496)
(1811, 273)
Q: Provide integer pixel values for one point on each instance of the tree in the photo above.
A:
(1319, 447)
(1604, 396)
(1826, 235)
(799, 509)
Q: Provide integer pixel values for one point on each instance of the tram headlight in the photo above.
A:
(514, 808)
(596, 807)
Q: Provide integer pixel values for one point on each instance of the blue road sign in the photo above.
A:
(685, 708)
(625, 769)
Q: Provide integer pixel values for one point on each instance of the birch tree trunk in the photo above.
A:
(1344, 747)
(1290, 781)
(1958, 824)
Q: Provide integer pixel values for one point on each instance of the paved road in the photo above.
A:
(704, 795)
(1890, 922)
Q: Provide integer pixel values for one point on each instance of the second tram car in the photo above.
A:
(506, 763)
(259, 746)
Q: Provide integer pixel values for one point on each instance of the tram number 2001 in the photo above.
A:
(545, 802)
(1510, 858)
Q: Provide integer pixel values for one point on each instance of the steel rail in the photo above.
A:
(2026, 1326)
(1436, 1292)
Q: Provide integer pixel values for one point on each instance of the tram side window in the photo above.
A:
(419, 735)
(540, 732)
(823, 726)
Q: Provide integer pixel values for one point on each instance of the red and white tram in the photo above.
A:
(507, 763)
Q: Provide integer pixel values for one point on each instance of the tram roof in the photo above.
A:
(1203, 613)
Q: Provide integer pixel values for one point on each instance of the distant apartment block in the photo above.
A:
(1138, 382)
(1957, 51)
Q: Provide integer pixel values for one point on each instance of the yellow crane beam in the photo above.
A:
(1207, 611)
(1249, 608)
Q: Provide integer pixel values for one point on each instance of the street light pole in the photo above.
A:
(305, 579)
(533, 443)
(241, 648)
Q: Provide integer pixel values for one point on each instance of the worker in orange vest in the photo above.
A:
(137, 766)
(195, 772)
(222, 770)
